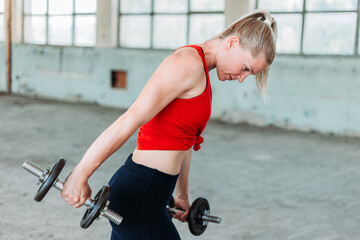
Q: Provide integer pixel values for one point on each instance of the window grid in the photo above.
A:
(188, 22)
(152, 13)
(46, 15)
(302, 27)
(2, 20)
(304, 12)
(152, 24)
(357, 32)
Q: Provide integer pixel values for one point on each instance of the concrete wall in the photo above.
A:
(306, 93)
(82, 74)
(2, 67)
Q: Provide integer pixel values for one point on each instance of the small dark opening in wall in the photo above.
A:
(118, 79)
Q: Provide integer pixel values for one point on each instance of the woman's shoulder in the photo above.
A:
(187, 58)
(188, 52)
(183, 68)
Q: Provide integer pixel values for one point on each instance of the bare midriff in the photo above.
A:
(165, 161)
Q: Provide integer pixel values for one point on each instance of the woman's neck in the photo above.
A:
(211, 52)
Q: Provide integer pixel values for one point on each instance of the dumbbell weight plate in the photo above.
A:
(47, 184)
(197, 210)
(98, 205)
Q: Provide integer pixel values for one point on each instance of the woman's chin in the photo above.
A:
(222, 78)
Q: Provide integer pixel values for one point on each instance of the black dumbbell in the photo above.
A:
(95, 207)
(199, 215)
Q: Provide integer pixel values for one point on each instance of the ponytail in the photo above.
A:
(257, 32)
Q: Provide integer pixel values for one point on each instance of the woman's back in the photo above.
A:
(163, 141)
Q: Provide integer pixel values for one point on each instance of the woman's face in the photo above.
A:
(236, 63)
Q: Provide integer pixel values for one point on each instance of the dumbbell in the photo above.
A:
(199, 215)
(95, 207)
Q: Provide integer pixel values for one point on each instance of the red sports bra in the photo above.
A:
(179, 125)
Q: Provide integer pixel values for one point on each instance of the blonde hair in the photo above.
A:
(257, 32)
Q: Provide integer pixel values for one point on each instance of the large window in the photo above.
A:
(321, 27)
(165, 24)
(2, 21)
(60, 22)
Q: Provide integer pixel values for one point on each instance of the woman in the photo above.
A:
(171, 112)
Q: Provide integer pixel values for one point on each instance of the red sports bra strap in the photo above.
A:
(201, 53)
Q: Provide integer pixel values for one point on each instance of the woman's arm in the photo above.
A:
(181, 188)
(166, 84)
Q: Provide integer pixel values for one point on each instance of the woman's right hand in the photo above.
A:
(76, 189)
(183, 204)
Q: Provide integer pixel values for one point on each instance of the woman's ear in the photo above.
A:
(232, 41)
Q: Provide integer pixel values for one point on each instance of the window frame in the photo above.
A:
(2, 15)
(47, 15)
(303, 14)
(152, 14)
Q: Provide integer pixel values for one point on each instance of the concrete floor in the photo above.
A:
(267, 184)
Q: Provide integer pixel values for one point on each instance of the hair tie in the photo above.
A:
(267, 22)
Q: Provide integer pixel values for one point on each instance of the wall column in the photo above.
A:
(107, 23)
(236, 8)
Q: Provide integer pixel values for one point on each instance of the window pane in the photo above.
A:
(331, 5)
(289, 36)
(169, 31)
(205, 26)
(207, 5)
(2, 26)
(60, 30)
(60, 7)
(135, 31)
(85, 28)
(35, 30)
(281, 5)
(85, 6)
(35, 6)
(2, 29)
(2, 6)
(138, 6)
(174, 6)
(329, 33)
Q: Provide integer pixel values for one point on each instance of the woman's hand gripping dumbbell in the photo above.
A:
(199, 215)
(95, 207)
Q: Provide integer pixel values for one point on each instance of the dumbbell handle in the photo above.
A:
(106, 212)
(205, 217)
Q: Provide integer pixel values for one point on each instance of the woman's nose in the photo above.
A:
(242, 77)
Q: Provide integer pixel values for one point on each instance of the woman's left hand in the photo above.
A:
(183, 204)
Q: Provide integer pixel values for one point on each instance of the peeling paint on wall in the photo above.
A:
(306, 93)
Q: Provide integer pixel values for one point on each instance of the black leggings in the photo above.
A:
(140, 194)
